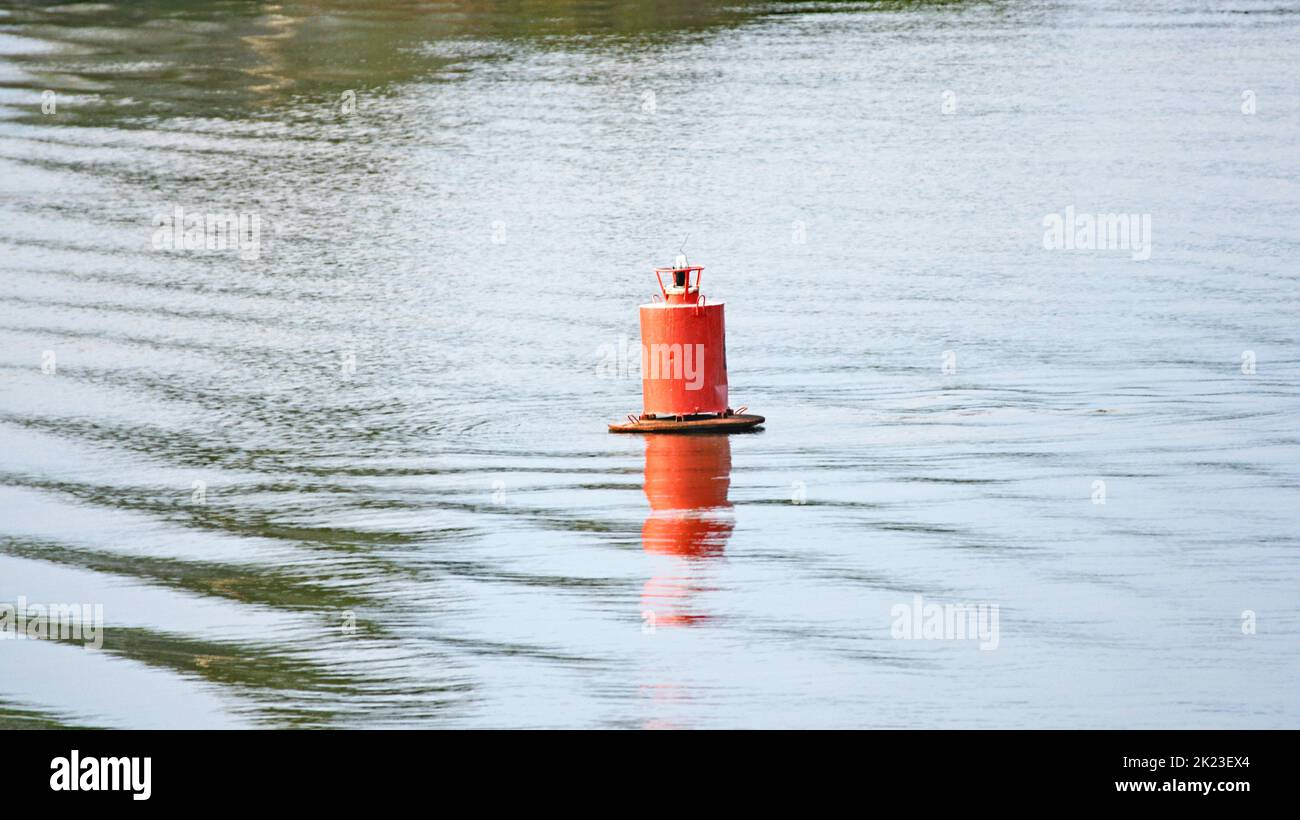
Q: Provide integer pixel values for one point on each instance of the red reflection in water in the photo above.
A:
(686, 481)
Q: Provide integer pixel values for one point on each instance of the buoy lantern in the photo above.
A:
(684, 361)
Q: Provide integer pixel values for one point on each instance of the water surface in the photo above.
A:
(364, 479)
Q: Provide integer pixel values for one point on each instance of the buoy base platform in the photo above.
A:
(735, 423)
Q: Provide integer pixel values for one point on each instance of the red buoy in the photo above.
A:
(684, 361)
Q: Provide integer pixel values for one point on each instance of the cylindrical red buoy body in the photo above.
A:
(683, 349)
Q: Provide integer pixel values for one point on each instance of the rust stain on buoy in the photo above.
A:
(684, 361)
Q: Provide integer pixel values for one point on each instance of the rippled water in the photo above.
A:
(394, 417)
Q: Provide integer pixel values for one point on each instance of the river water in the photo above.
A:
(358, 474)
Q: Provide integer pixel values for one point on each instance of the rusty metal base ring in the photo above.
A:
(736, 423)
